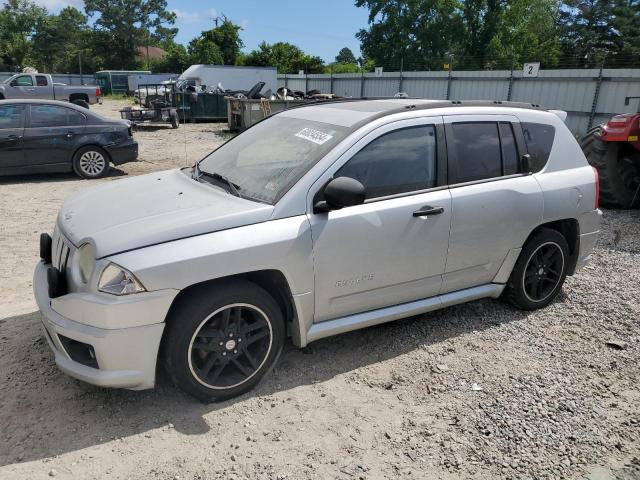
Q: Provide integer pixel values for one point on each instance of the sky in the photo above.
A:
(319, 28)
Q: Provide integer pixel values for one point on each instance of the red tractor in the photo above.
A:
(614, 150)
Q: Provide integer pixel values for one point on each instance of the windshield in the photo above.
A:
(265, 161)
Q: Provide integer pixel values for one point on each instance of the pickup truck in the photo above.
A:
(41, 87)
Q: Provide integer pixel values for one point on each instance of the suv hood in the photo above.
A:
(149, 209)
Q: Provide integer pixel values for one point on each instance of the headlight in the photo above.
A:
(118, 281)
(86, 256)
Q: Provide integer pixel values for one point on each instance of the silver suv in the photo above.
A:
(316, 221)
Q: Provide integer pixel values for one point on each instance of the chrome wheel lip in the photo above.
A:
(92, 163)
(195, 334)
(524, 290)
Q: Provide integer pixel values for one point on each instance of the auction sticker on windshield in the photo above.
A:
(315, 136)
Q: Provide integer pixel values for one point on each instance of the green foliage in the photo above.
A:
(19, 20)
(342, 68)
(176, 61)
(346, 56)
(218, 46)
(287, 58)
(123, 25)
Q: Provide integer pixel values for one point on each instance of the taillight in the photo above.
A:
(595, 173)
(98, 92)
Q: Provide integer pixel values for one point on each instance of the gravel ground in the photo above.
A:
(475, 391)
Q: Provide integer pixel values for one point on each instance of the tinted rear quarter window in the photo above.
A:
(538, 138)
(396, 162)
(476, 146)
(41, 81)
(10, 116)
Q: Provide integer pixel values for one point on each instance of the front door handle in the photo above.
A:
(428, 210)
(14, 138)
(70, 134)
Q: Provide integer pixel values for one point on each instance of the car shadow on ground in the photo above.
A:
(52, 177)
(93, 416)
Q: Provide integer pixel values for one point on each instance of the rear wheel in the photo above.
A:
(81, 103)
(221, 341)
(539, 272)
(173, 118)
(618, 166)
(91, 162)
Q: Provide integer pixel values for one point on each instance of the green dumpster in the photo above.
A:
(201, 106)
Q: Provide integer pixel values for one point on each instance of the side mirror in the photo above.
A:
(525, 163)
(339, 193)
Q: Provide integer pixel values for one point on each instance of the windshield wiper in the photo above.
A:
(233, 188)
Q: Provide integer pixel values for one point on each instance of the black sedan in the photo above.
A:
(48, 136)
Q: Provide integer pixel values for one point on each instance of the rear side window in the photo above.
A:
(54, 116)
(10, 116)
(41, 81)
(509, 149)
(396, 162)
(538, 138)
(476, 146)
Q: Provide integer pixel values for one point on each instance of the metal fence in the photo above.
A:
(68, 78)
(590, 96)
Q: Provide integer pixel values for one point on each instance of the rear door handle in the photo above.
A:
(70, 134)
(14, 138)
(428, 210)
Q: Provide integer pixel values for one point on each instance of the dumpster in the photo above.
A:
(244, 112)
(200, 106)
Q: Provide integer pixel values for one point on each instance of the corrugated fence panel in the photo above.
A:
(385, 85)
(483, 85)
(616, 85)
(347, 84)
(572, 90)
(425, 84)
(551, 90)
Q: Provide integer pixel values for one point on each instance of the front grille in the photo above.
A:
(61, 250)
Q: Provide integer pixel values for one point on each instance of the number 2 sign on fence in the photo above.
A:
(531, 69)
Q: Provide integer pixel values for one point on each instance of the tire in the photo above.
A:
(618, 172)
(543, 261)
(173, 118)
(91, 162)
(81, 103)
(207, 317)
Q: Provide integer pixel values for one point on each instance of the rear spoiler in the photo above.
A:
(560, 114)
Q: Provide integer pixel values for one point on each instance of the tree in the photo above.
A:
(123, 25)
(627, 23)
(520, 31)
(218, 46)
(410, 33)
(287, 58)
(19, 20)
(60, 40)
(587, 30)
(176, 61)
(345, 56)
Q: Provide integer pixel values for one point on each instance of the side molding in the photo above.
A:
(383, 315)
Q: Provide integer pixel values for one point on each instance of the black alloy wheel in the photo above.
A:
(543, 271)
(230, 346)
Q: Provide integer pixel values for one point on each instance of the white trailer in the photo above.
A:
(232, 77)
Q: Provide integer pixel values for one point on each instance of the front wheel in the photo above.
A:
(539, 272)
(173, 118)
(222, 340)
(91, 162)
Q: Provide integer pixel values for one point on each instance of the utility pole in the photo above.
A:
(80, 66)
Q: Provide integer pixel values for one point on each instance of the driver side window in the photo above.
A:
(23, 81)
(397, 162)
